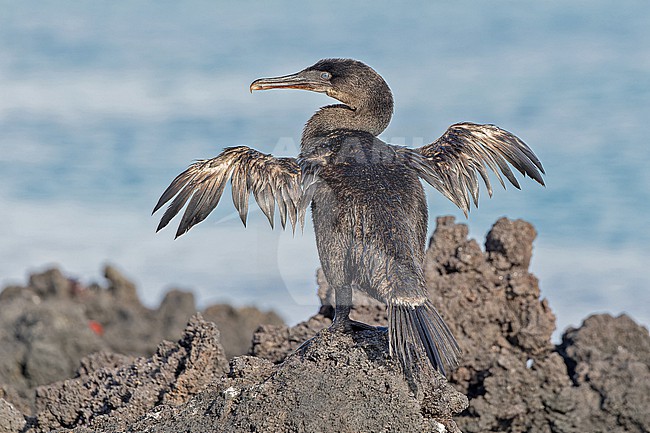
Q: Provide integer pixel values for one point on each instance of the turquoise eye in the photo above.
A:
(325, 75)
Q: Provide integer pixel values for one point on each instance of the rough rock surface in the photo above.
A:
(608, 360)
(49, 325)
(274, 343)
(515, 378)
(492, 305)
(597, 380)
(334, 383)
(11, 419)
(173, 374)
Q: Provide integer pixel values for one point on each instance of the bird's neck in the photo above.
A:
(372, 118)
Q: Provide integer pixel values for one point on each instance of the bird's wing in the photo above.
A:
(451, 163)
(271, 180)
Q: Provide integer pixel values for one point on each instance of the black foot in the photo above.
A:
(304, 345)
(348, 326)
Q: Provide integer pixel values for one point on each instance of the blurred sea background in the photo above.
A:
(102, 104)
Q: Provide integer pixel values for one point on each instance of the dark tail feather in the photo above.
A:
(418, 331)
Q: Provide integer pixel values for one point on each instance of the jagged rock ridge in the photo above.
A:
(597, 380)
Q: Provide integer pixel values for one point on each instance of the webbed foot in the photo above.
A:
(347, 326)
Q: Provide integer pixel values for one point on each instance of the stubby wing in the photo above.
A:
(271, 180)
(451, 163)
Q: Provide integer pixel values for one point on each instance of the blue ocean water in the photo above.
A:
(103, 103)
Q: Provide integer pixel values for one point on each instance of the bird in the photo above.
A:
(367, 199)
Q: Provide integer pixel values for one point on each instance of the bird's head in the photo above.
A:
(350, 81)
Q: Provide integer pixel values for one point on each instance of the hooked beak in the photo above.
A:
(304, 80)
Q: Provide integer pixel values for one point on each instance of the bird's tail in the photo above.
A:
(418, 330)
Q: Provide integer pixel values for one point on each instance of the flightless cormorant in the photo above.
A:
(368, 205)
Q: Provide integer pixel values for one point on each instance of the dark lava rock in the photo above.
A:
(515, 378)
(48, 326)
(597, 380)
(11, 419)
(98, 360)
(40, 343)
(609, 363)
(274, 343)
(491, 303)
(173, 374)
(336, 383)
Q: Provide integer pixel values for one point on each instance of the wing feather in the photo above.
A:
(273, 181)
(451, 163)
(240, 194)
(204, 200)
(175, 206)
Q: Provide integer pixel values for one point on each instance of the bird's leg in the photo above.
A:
(342, 321)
